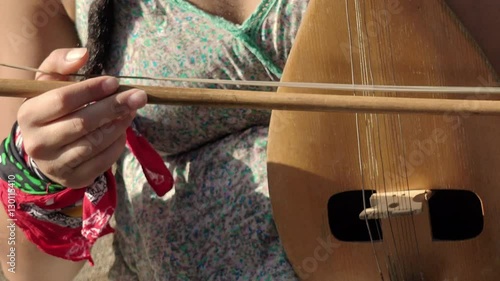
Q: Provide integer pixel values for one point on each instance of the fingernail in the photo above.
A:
(110, 85)
(137, 99)
(75, 54)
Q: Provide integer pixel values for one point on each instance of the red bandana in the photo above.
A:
(43, 223)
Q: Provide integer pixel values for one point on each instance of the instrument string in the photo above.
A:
(406, 232)
(394, 149)
(371, 120)
(392, 176)
(412, 217)
(374, 138)
(400, 178)
(360, 155)
(416, 267)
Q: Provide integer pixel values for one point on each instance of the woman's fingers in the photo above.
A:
(63, 61)
(90, 170)
(99, 164)
(63, 101)
(85, 174)
(86, 153)
(89, 119)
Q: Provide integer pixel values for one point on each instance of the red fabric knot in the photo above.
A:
(157, 174)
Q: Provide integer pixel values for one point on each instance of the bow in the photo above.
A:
(290, 101)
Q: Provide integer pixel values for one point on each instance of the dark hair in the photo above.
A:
(100, 27)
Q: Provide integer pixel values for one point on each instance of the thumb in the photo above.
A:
(62, 62)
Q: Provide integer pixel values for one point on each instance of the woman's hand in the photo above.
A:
(71, 141)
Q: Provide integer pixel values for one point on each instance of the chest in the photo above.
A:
(236, 11)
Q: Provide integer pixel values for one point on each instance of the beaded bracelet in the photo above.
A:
(13, 164)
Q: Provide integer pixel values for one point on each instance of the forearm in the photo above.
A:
(482, 19)
(31, 29)
(23, 261)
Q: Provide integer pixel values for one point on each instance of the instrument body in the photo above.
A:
(313, 156)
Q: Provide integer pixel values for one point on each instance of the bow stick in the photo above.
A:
(299, 101)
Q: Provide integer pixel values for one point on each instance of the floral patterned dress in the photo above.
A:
(216, 224)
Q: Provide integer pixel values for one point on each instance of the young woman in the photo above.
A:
(217, 223)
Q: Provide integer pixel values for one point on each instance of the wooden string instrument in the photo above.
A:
(364, 196)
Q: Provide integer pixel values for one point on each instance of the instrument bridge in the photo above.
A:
(398, 203)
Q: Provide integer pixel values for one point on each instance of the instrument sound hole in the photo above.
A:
(455, 215)
(343, 217)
